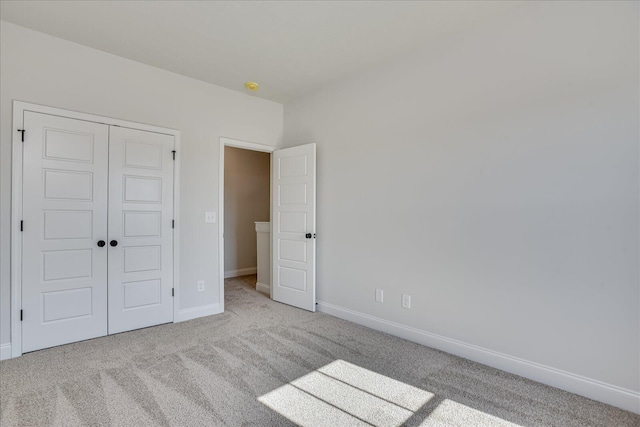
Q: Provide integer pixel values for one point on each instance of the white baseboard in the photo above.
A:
(195, 312)
(183, 315)
(613, 395)
(241, 272)
(261, 287)
(5, 351)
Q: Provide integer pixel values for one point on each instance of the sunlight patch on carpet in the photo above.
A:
(452, 413)
(341, 393)
(344, 394)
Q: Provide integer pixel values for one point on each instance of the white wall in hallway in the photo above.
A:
(246, 200)
(41, 69)
(494, 177)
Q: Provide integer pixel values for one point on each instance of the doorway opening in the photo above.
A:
(292, 239)
(245, 215)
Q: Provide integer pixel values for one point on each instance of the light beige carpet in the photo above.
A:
(264, 363)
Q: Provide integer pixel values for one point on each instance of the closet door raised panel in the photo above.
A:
(140, 227)
(64, 271)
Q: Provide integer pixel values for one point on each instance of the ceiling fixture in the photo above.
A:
(251, 85)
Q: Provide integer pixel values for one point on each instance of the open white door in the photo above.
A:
(294, 226)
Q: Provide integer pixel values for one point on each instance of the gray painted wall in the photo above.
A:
(494, 177)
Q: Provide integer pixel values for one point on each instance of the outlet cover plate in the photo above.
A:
(406, 301)
(210, 217)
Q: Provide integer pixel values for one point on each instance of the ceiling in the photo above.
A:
(289, 48)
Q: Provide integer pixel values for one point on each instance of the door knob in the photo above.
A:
(308, 235)
(101, 243)
(113, 243)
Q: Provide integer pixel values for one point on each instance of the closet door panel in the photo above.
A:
(64, 271)
(140, 229)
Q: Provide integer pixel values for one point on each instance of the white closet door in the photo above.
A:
(64, 271)
(140, 229)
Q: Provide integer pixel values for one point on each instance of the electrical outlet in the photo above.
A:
(379, 295)
(406, 301)
(210, 217)
(200, 285)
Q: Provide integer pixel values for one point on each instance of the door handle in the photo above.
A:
(308, 235)
(113, 243)
(101, 243)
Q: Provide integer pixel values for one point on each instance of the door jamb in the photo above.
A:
(224, 142)
(19, 108)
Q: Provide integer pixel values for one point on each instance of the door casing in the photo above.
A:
(19, 108)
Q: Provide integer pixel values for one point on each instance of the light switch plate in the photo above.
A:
(200, 285)
(379, 295)
(210, 217)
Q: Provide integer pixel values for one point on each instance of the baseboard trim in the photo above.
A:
(261, 287)
(183, 315)
(607, 393)
(5, 351)
(241, 272)
(195, 312)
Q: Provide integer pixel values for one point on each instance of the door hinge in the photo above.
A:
(173, 223)
(174, 154)
(173, 293)
(22, 131)
(21, 315)
(21, 225)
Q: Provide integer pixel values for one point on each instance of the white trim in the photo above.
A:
(176, 228)
(613, 395)
(241, 272)
(195, 312)
(16, 240)
(19, 108)
(5, 351)
(239, 144)
(88, 117)
(254, 146)
(262, 287)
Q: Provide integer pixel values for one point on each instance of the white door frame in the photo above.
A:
(224, 142)
(19, 107)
